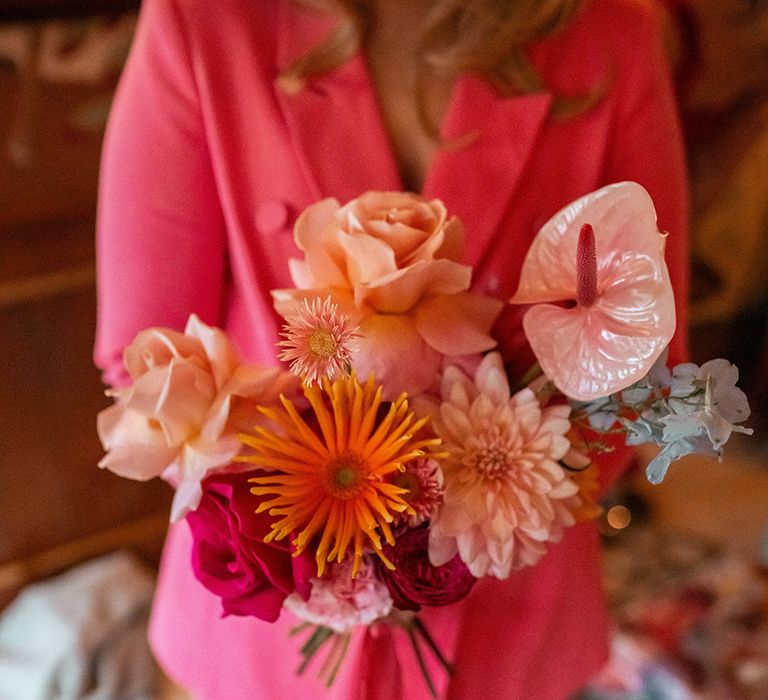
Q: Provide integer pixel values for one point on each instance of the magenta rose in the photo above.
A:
(230, 557)
(415, 582)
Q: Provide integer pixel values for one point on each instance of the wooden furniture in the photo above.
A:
(28, 10)
(56, 507)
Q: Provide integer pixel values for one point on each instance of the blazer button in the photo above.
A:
(272, 216)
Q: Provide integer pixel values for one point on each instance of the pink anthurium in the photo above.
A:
(603, 309)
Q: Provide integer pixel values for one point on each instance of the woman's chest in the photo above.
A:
(274, 152)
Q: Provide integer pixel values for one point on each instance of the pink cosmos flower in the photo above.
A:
(604, 252)
(506, 495)
(191, 395)
(391, 261)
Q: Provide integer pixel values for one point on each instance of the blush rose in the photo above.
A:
(191, 394)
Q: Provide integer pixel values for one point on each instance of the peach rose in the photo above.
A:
(391, 261)
(191, 395)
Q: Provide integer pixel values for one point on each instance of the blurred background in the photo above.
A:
(686, 564)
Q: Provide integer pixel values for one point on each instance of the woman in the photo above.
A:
(229, 121)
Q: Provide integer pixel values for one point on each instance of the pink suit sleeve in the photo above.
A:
(160, 232)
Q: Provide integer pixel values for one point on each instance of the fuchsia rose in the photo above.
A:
(190, 396)
(391, 261)
(230, 557)
(415, 582)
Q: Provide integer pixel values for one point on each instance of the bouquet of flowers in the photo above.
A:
(396, 462)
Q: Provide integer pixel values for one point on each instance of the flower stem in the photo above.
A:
(319, 637)
(422, 629)
(336, 655)
(422, 664)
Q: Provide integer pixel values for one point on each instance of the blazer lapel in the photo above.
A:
(336, 126)
(334, 120)
(476, 181)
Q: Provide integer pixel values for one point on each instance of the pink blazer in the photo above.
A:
(206, 165)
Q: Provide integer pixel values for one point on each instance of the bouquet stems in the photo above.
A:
(409, 622)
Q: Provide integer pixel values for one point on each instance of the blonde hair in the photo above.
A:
(485, 37)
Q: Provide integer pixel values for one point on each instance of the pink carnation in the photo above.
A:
(230, 557)
(341, 602)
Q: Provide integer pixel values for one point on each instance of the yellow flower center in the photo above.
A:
(322, 343)
(345, 476)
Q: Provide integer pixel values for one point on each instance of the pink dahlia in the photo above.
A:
(506, 495)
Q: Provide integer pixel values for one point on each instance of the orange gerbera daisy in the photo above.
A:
(336, 481)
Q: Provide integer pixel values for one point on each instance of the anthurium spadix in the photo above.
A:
(602, 304)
